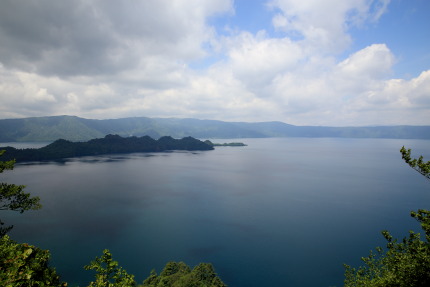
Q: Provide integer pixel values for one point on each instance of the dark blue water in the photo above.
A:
(279, 212)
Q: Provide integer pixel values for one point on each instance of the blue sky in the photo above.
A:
(405, 28)
(303, 62)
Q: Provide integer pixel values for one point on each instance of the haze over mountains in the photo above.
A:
(80, 129)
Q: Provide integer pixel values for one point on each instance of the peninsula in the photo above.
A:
(224, 144)
(110, 144)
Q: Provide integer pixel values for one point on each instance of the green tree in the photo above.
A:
(22, 264)
(204, 275)
(108, 273)
(418, 164)
(13, 197)
(403, 263)
(178, 274)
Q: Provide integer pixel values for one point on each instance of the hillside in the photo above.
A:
(110, 144)
(79, 129)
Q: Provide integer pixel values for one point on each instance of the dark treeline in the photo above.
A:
(224, 144)
(110, 144)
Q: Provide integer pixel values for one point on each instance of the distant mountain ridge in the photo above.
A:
(46, 129)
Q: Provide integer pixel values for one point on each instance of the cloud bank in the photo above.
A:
(160, 58)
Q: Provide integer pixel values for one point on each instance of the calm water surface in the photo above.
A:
(279, 212)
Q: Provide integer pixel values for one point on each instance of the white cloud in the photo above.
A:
(103, 37)
(104, 59)
(362, 71)
(356, 91)
(256, 60)
(324, 24)
(373, 62)
(398, 94)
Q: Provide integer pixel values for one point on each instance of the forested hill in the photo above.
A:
(79, 129)
(110, 144)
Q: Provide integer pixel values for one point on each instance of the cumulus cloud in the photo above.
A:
(105, 59)
(324, 24)
(256, 60)
(102, 37)
(363, 70)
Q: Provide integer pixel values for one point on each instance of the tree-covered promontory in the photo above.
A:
(110, 144)
(224, 144)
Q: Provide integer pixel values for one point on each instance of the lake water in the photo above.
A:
(278, 212)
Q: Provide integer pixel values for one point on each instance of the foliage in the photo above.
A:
(110, 144)
(108, 273)
(234, 144)
(25, 265)
(418, 164)
(401, 264)
(178, 274)
(13, 197)
(174, 274)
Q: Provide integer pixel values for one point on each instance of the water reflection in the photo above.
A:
(264, 214)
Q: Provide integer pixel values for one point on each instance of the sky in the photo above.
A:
(302, 62)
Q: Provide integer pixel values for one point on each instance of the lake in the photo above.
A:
(278, 212)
